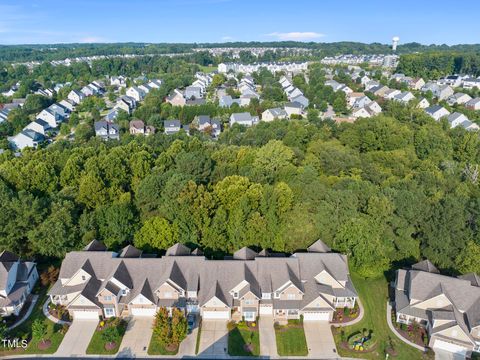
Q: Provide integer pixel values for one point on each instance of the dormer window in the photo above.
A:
(266, 296)
(235, 295)
(124, 292)
(168, 294)
(83, 277)
(277, 295)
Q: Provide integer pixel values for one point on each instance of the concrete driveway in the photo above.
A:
(447, 355)
(77, 338)
(187, 346)
(320, 341)
(268, 343)
(137, 337)
(214, 338)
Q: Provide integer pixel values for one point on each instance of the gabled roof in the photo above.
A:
(95, 245)
(244, 253)
(197, 252)
(7, 256)
(178, 250)
(472, 277)
(130, 251)
(319, 246)
(121, 274)
(425, 265)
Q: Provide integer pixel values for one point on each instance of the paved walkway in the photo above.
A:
(320, 340)
(213, 339)
(357, 319)
(137, 337)
(187, 346)
(27, 314)
(268, 343)
(50, 317)
(77, 338)
(390, 325)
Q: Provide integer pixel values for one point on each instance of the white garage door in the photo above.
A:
(216, 315)
(453, 348)
(266, 310)
(143, 311)
(316, 316)
(85, 314)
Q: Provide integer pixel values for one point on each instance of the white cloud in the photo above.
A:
(92, 39)
(296, 35)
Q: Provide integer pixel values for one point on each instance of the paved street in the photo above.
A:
(77, 338)
(319, 340)
(268, 343)
(214, 338)
(137, 337)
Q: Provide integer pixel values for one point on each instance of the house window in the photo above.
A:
(248, 302)
(235, 295)
(292, 312)
(291, 296)
(168, 294)
(107, 298)
(124, 292)
(277, 295)
(83, 277)
(140, 299)
(266, 295)
(109, 312)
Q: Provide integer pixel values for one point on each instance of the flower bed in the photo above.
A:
(59, 312)
(344, 315)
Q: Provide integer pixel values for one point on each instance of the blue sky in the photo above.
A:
(65, 21)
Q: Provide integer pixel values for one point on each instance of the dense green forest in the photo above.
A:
(385, 190)
(435, 65)
(19, 53)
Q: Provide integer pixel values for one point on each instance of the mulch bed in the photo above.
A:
(54, 313)
(248, 348)
(110, 346)
(345, 346)
(43, 345)
(417, 337)
(171, 347)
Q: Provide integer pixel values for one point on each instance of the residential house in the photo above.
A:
(107, 130)
(473, 104)
(458, 98)
(458, 119)
(274, 114)
(437, 112)
(443, 92)
(136, 93)
(75, 96)
(404, 97)
(416, 84)
(423, 103)
(227, 101)
(471, 83)
(40, 126)
(302, 100)
(119, 81)
(176, 98)
(391, 93)
(204, 123)
(17, 279)
(361, 113)
(293, 108)
(312, 284)
(138, 127)
(26, 138)
(244, 119)
(172, 126)
(448, 307)
(68, 105)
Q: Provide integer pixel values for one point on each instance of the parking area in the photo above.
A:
(320, 341)
(77, 338)
(137, 337)
(213, 338)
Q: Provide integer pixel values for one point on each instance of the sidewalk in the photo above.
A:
(27, 314)
(50, 317)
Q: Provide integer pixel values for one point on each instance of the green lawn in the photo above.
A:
(291, 339)
(24, 331)
(374, 294)
(243, 341)
(97, 343)
(157, 348)
(207, 69)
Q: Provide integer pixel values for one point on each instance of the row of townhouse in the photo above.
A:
(247, 89)
(96, 282)
(202, 123)
(17, 279)
(448, 307)
(46, 123)
(273, 67)
(455, 119)
(139, 92)
(388, 61)
(193, 94)
(294, 94)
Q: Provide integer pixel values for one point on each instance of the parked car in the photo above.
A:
(191, 320)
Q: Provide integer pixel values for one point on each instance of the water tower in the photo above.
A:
(395, 41)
